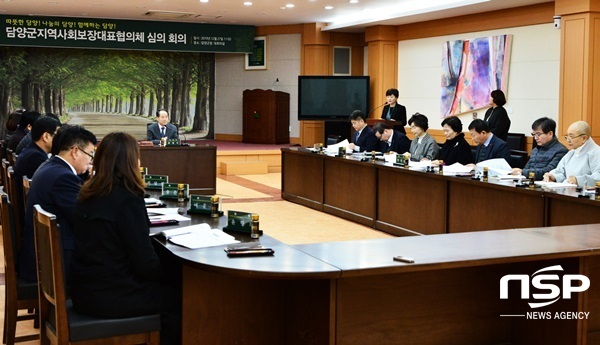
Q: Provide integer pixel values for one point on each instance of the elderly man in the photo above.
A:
(548, 152)
(162, 128)
(581, 165)
(489, 145)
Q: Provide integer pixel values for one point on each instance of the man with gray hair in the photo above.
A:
(581, 165)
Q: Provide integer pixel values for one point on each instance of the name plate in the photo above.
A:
(155, 181)
(239, 221)
(173, 142)
(171, 191)
(202, 204)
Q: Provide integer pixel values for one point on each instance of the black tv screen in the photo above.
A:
(331, 97)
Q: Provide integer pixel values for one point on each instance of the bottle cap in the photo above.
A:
(180, 186)
(531, 174)
(485, 168)
(214, 198)
(597, 184)
(254, 216)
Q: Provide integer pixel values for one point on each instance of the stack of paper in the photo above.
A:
(496, 167)
(554, 184)
(335, 148)
(198, 236)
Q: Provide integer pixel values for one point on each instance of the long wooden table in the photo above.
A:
(354, 293)
(406, 202)
(195, 165)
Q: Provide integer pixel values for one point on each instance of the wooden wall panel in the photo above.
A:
(594, 74)
(278, 30)
(576, 6)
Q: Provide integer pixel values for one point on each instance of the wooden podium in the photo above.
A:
(266, 117)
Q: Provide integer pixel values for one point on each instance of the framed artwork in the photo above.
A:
(258, 58)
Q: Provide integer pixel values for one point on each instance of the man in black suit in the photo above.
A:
(391, 139)
(27, 120)
(363, 139)
(55, 187)
(162, 128)
(489, 145)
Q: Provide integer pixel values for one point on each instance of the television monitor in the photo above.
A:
(331, 97)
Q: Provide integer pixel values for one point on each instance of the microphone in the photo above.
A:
(180, 133)
(377, 107)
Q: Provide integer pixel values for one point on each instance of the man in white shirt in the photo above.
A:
(581, 165)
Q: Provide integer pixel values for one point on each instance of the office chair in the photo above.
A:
(60, 323)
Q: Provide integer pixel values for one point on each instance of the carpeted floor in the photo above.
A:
(288, 222)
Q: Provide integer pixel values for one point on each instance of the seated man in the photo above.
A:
(547, 154)
(27, 120)
(27, 139)
(162, 128)
(489, 145)
(37, 152)
(581, 165)
(391, 139)
(364, 139)
(55, 188)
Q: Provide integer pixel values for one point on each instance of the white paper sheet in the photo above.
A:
(199, 236)
(496, 167)
(336, 147)
(554, 184)
(457, 168)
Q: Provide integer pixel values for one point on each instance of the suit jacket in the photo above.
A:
(154, 134)
(55, 187)
(366, 141)
(29, 161)
(497, 148)
(428, 148)
(456, 150)
(400, 143)
(398, 113)
(115, 270)
(498, 121)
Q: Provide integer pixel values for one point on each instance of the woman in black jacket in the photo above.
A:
(394, 111)
(115, 270)
(456, 149)
(496, 116)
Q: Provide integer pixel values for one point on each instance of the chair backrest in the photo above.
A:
(9, 156)
(518, 159)
(26, 186)
(333, 139)
(516, 141)
(15, 193)
(5, 165)
(50, 277)
(10, 247)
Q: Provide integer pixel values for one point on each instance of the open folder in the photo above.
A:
(197, 236)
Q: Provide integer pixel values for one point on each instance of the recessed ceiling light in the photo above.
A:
(203, 0)
(353, 1)
(247, 3)
(329, 7)
(289, 5)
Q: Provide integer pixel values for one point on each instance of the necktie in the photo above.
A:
(162, 131)
(356, 136)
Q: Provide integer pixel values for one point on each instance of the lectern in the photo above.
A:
(266, 117)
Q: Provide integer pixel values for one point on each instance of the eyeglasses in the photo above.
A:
(537, 134)
(569, 138)
(91, 155)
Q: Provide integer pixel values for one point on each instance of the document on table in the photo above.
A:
(496, 167)
(554, 184)
(197, 236)
(334, 148)
(457, 168)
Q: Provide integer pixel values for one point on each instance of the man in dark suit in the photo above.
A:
(489, 145)
(363, 139)
(55, 187)
(391, 139)
(27, 120)
(162, 128)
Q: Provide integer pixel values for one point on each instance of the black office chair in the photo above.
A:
(518, 159)
(516, 141)
(333, 139)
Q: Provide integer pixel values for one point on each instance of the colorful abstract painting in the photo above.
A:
(471, 70)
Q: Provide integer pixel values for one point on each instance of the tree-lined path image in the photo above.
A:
(101, 124)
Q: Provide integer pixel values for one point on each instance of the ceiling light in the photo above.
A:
(289, 5)
(247, 3)
(329, 7)
(203, 0)
(168, 14)
(353, 1)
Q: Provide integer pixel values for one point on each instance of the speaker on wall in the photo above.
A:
(342, 60)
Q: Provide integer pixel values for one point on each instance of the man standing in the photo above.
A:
(363, 139)
(162, 128)
(55, 187)
(548, 152)
(489, 145)
(391, 139)
(581, 165)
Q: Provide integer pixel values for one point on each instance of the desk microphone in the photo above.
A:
(179, 132)
(377, 107)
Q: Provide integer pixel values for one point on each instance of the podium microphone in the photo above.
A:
(377, 107)
(180, 133)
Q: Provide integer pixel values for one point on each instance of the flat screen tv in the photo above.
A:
(331, 97)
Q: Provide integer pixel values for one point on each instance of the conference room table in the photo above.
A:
(355, 293)
(403, 201)
(195, 165)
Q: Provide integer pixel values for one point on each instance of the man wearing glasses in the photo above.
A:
(548, 152)
(55, 187)
(581, 165)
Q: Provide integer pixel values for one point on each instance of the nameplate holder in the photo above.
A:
(155, 181)
(238, 221)
(201, 204)
(173, 142)
(170, 191)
